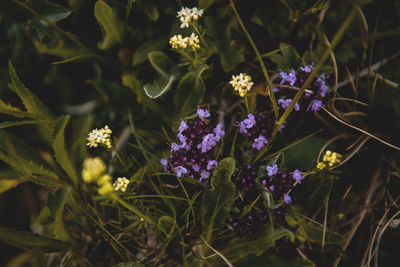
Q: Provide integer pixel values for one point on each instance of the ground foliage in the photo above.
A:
(67, 67)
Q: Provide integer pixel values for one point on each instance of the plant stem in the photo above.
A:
(259, 58)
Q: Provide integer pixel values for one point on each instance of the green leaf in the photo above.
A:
(289, 58)
(109, 21)
(238, 248)
(30, 101)
(314, 233)
(159, 87)
(220, 32)
(60, 151)
(31, 241)
(303, 156)
(13, 111)
(7, 124)
(56, 203)
(189, 93)
(161, 63)
(217, 201)
(59, 48)
(7, 184)
(204, 4)
(152, 12)
(142, 52)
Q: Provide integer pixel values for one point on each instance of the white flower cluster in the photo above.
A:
(101, 137)
(187, 15)
(242, 83)
(178, 42)
(121, 184)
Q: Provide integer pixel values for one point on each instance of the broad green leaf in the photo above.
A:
(161, 63)
(159, 87)
(109, 21)
(217, 201)
(30, 101)
(220, 32)
(13, 111)
(189, 93)
(315, 233)
(303, 156)
(60, 49)
(28, 163)
(141, 53)
(204, 4)
(7, 124)
(7, 184)
(60, 151)
(31, 241)
(289, 58)
(238, 248)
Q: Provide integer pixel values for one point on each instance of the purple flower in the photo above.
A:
(307, 68)
(272, 170)
(196, 167)
(164, 162)
(291, 77)
(323, 88)
(180, 170)
(286, 102)
(182, 138)
(183, 126)
(286, 198)
(284, 76)
(203, 113)
(275, 90)
(209, 141)
(272, 188)
(297, 176)
(259, 142)
(204, 174)
(282, 126)
(218, 132)
(174, 147)
(247, 123)
(314, 105)
(211, 164)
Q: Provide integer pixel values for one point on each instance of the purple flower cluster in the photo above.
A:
(312, 98)
(247, 178)
(192, 153)
(280, 183)
(244, 226)
(257, 127)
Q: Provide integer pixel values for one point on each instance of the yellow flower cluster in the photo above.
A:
(94, 172)
(121, 184)
(100, 137)
(242, 83)
(329, 160)
(92, 169)
(178, 42)
(187, 15)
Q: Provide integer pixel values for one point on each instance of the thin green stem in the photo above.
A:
(133, 209)
(259, 58)
(247, 104)
(200, 35)
(338, 36)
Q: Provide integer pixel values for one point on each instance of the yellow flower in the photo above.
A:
(92, 169)
(105, 189)
(104, 179)
(241, 83)
(100, 137)
(329, 160)
(121, 184)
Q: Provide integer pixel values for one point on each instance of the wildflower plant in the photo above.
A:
(205, 165)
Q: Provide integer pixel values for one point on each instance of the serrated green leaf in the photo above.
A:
(13, 111)
(56, 203)
(161, 63)
(7, 124)
(220, 32)
(7, 184)
(30, 101)
(60, 151)
(189, 93)
(159, 87)
(217, 202)
(109, 21)
(141, 54)
(31, 241)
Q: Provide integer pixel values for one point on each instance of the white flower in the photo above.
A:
(187, 15)
(121, 184)
(241, 83)
(178, 42)
(101, 137)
